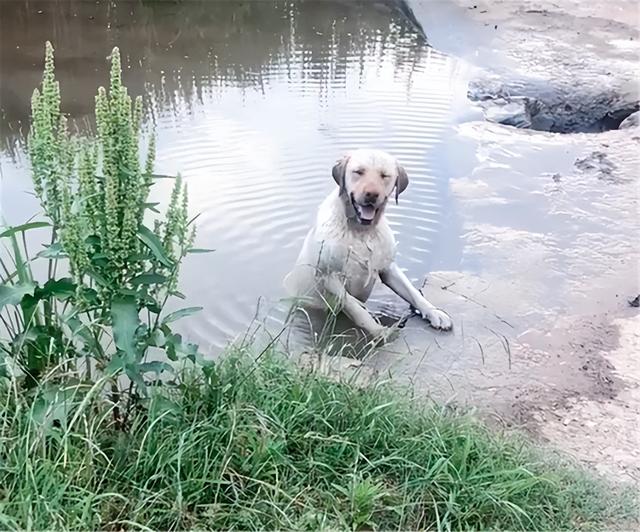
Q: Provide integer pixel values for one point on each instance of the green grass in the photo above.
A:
(269, 446)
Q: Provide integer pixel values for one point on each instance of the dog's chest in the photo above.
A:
(359, 254)
(372, 251)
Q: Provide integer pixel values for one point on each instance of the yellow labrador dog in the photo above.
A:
(351, 245)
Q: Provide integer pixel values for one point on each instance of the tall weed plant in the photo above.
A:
(113, 259)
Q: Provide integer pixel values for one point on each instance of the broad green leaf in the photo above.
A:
(29, 305)
(115, 365)
(38, 347)
(54, 251)
(100, 260)
(128, 292)
(157, 338)
(151, 240)
(89, 295)
(80, 330)
(172, 345)
(92, 240)
(188, 349)
(192, 352)
(178, 314)
(175, 346)
(13, 294)
(24, 227)
(124, 315)
(200, 250)
(138, 257)
(146, 299)
(148, 278)
(132, 371)
(61, 288)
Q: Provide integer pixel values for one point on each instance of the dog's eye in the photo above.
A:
(359, 171)
(385, 176)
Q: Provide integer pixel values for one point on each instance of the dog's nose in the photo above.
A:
(371, 197)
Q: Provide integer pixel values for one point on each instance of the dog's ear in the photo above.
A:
(402, 182)
(338, 172)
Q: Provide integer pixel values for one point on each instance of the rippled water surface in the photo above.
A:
(253, 102)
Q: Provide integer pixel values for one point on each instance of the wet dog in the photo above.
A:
(351, 245)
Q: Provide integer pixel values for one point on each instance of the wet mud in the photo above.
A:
(557, 87)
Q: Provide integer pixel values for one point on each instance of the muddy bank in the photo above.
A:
(561, 67)
(545, 336)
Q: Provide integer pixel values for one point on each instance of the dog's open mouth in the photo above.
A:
(364, 213)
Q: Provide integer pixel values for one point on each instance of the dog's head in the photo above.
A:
(367, 178)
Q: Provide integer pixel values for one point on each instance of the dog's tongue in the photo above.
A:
(367, 212)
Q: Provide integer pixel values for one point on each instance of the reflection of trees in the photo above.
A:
(179, 50)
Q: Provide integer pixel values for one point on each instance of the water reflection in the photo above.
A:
(181, 52)
(253, 101)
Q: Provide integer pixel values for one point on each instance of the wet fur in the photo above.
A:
(342, 258)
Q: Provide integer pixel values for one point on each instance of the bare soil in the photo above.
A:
(547, 316)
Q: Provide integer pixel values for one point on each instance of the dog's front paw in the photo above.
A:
(438, 319)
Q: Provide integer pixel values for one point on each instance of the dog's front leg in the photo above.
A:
(356, 311)
(395, 279)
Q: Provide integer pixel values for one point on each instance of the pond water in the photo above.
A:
(252, 102)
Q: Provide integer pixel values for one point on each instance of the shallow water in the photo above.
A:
(252, 102)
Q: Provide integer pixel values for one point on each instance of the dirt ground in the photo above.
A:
(545, 337)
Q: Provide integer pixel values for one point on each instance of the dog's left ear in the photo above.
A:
(402, 182)
(338, 172)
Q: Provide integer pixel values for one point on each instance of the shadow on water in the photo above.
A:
(252, 101)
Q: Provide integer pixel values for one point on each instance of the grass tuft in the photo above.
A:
(283, 449)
